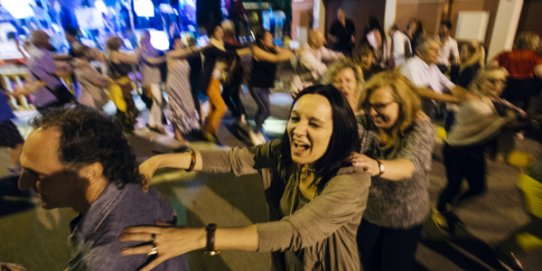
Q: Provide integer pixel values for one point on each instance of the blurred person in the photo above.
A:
(92, 83)
(524, 65)
(432, 85)
(415, 32)
(182, 110)
(449, 52)
(313, 56)
(119, 66)
(482, 117)
(375, 37)
(215, 71)
(471, 57)
(42, 67)
(231, 88)
(347, 77)
(150, 61)
(319, 198)
(195, 61)
(399, 164)
(400, 47)
(265, 56)
(343, 31)
(366, 59)
(78, 158)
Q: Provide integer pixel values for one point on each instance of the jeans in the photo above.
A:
(261, 97)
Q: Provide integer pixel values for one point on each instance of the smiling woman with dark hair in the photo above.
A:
(319, 197)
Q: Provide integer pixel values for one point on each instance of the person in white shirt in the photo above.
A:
(449, 52)
(400, 48)
(432, 85)
(313, 55)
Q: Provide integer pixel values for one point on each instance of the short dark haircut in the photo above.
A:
(260, 35)
(446, 23)
(88, 136)
(344, 138)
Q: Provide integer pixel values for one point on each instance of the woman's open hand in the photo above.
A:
(165, 242)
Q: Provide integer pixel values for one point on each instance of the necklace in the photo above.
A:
(308, 170)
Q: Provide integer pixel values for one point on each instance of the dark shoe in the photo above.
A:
(453, 221)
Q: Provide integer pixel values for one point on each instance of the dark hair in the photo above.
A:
(446, 23)
(71, 31)
(172, 42)
(344, 138)
(88, 136)
(80, 51)
(260, 35)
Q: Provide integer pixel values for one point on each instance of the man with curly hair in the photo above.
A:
(78, 158)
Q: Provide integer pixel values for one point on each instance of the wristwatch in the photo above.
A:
(210, 246)
(381, 168)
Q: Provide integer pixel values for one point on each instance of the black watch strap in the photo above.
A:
(210, 245)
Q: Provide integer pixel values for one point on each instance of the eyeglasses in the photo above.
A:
(376, 106)
(494, 81)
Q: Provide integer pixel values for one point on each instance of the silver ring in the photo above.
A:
(154, 250)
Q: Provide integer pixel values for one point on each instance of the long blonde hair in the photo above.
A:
(483, 75)
(478, 54)
(404, 93)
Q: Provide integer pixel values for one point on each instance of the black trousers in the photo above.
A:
(520, 92)
(231, 95)
(465, 162)
(387, 249)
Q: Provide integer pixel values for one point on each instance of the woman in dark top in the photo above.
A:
(414, 32)
(265, 56)
(471, 56)
(215, 66)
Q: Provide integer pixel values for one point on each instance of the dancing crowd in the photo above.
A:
(349, 177)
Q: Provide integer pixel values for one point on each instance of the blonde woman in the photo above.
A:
(471, 57)
(346, 77)
(120, 90)
(481, 118)
(399, 164)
